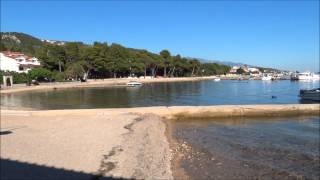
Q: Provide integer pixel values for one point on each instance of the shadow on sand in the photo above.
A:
(5, 132)
(11, 169)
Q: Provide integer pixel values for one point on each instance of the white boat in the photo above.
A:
(313, 94)
(134, 83)
(217, 79)
(266, 77)
(308, 76)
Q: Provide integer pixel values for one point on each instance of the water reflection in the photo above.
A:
(163, 94)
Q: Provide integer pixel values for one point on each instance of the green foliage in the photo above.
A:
(77, 60)
(15, 41)
(213, 69)
(59, 76)
(40, 74)
(17, 77)
(74, 70)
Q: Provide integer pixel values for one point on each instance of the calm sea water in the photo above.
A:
(163, 94)
(251, 148)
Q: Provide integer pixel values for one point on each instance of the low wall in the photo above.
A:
(182, 112)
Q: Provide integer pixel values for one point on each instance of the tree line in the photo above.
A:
(75, 60)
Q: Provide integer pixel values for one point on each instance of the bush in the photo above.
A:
(40, 74)
(17, 77)
(20, 78)
(59, 76)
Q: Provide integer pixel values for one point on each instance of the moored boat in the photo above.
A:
(217, 79)
(312, 94)
(308, 76)
(266, 77)
(134, 83)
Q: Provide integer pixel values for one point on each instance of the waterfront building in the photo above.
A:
(234, 69)
(251, 70)
(17, 62)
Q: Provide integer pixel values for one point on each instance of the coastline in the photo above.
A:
(98, 83)
(186, 112)
(123, 143)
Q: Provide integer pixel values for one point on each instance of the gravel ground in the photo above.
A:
(83, 145)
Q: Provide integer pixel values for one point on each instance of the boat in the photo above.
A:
(312, 94)
(294, 77)
(217, 79)
(134, 83)
(308, 76)
(266, 77)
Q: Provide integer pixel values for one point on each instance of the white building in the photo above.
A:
(234, 69)
(253, 70)
(18, 62)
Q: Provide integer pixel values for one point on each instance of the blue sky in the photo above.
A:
(281, 34)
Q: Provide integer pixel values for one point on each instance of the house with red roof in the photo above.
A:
(17, 62)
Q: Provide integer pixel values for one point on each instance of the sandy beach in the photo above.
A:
(123, 145)
(94, 143)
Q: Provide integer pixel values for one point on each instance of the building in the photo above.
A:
(234, 69)
(254, 70)
(17, 62)
(59, 43)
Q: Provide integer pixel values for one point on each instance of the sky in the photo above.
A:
(278, 34)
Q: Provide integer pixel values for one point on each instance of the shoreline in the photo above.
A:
(113, 82)
(185, 112)
(118, 143)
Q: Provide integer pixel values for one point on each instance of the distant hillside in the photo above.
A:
(227, 63)
(231, 64)
(15, 41)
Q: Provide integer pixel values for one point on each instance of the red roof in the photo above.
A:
(15, 55)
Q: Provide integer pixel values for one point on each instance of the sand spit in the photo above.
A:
(98, 83)
(125, 145)
(185, 112)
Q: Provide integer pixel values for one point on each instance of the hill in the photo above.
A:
(16, 41)
(73, 60)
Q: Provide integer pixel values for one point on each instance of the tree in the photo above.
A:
(75, 71)
(75, 59)
(40, 74)
(145, 59)
(72, 50)
(165, 54)
(195, 64)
